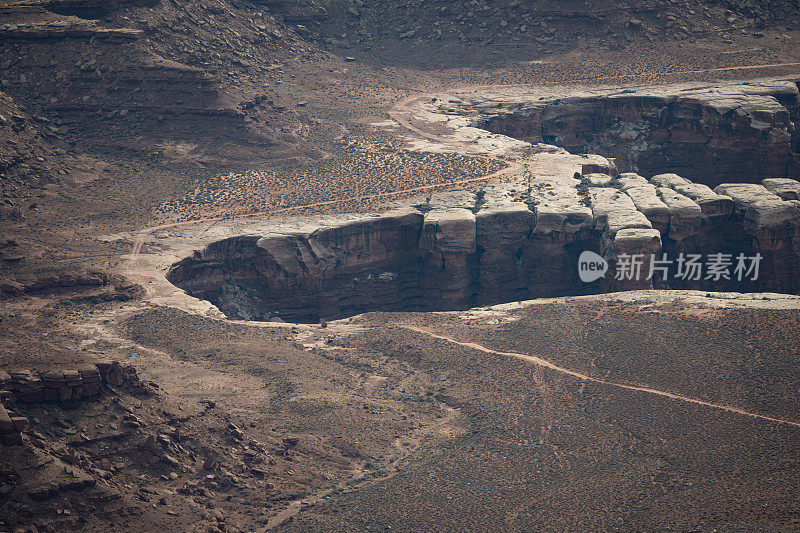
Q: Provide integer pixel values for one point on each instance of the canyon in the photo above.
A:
(451, 258)
(711, 135)
(520, 238)
(251, 251)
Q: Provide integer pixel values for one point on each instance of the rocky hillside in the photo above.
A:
(195, 81)
(23, 154)
(443, 33)
(158, 78)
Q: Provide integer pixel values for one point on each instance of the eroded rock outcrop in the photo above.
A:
(740, 132)
(60, 384)
(448, 264)
(152, 77)
(308, 273)
(452, 257)
(772, 228)
(12, 424)
(502, 232)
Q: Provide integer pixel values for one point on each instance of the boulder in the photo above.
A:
(20, 423)
(6, 424)
(562, 220)
(714, 207)
(505, 225)
(646, 199)
(685, 216)
(613, 210)
(785, 188)
(769, 221)
(629, 180)
(27, 385)
(633, 244)
(745, 194)
(598, 179)
(608, 166)
(764, 214)
(637, 241)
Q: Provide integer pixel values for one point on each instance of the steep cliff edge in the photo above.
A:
(712, 135)
(456, 257)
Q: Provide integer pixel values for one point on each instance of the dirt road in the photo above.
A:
(639, 388)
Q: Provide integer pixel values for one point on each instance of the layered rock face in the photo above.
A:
(113, 85)
(340, 270)
(152, 77)
(735, 133)
(65, 384)
(452, 257)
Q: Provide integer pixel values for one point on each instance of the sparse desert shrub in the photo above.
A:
(480, 199)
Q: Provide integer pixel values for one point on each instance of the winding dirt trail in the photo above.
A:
(639, 388)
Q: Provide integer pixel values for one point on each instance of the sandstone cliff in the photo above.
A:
(454, 257)
(741, 132)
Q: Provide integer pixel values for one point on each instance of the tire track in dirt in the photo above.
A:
(639, 388)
